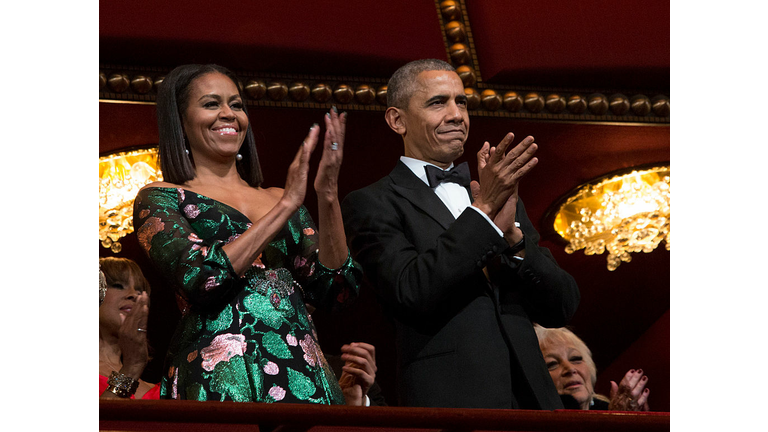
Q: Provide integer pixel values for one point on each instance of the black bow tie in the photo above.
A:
(458, 174)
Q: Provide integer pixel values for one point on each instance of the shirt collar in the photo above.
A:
(417, 166)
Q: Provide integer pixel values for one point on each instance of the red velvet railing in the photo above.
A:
(189, 416)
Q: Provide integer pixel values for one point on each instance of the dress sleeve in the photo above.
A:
(323, 287)
(199, 270)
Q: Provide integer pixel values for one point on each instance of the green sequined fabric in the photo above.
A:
(243, 338)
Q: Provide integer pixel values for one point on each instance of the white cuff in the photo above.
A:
(501, 234)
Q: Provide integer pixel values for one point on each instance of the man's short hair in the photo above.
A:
(401, 86)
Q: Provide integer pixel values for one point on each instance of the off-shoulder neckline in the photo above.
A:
(204, 196)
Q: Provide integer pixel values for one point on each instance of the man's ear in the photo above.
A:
(395, 119)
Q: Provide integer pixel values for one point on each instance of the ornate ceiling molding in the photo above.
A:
(127, 84)
(132, 85)
(459, 44)
(590, 105)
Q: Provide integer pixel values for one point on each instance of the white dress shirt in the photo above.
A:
(453, 195)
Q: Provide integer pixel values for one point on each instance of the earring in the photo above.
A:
(187, 150)
(239, 157)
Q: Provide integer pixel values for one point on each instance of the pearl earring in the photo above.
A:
(187, 150)
(239, 157)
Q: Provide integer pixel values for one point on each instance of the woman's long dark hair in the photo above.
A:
(172, 102)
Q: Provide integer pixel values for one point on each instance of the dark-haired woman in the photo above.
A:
(243, 259)
(123, 349)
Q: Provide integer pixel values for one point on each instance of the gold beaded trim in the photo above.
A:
(139, 85)
(125, 84)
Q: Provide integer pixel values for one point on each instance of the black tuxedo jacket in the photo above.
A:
(462, 341)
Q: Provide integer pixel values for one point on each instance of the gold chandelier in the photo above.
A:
(121, 175)
(621, 214)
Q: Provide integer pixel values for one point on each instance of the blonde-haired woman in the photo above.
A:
(574, 373)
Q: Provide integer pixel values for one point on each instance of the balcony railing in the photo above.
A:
(191, 416)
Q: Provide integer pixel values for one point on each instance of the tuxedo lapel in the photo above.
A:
(410, 187)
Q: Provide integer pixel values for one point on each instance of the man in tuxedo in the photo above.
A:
(456, 265)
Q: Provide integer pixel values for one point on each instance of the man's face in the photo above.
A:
(436, 120)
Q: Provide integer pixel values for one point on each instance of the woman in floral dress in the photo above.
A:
(243, 259)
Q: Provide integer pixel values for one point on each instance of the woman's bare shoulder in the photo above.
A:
(159, 184)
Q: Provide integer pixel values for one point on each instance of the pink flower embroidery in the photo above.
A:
(203, 249)
(309, 231)
(191, 356)
(277, 393)
(232, 238)
(291, 339)
(210, 283)
(271, 368)
(275, 300)
(310, 350)
(193, 237)
(191, 211)
(299, 262)
(222, 348)
(175, 385)
(148, 230)
(181, 194)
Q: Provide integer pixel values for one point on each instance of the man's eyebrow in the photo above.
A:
(436, 98)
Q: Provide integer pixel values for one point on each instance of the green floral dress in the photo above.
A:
(245, 338)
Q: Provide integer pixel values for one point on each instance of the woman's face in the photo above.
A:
(214, 121)
(569, 371)
(119, 300)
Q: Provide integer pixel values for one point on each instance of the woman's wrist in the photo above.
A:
(286, 205)
(132, 371)
(122, 385)
(328, 196)
(327, 190)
